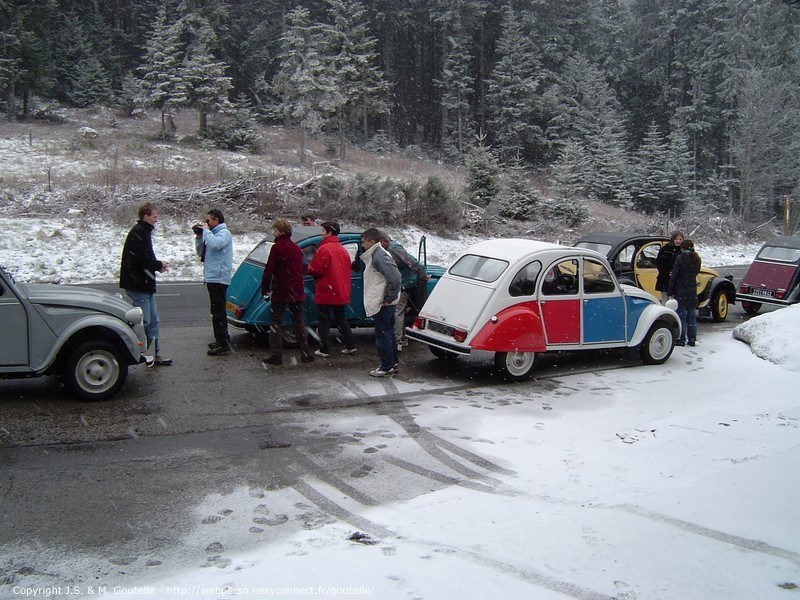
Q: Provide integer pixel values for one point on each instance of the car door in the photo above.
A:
(14, 349)
(560, 303)
(355, 310)
(645, 269)
(603, 316)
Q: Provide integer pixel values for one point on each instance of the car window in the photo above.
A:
(561, 279)
(647, 256)
(260, 253)
(352, 250)
(779, 253)
(596, 278)
(625, 257)
(308, 254)
(596, 246)
(481, 268)
(524, 283)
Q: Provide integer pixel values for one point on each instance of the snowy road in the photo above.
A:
(591, 481)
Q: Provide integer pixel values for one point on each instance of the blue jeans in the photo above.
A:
(147, 302)
(687, 312)
(385, 341)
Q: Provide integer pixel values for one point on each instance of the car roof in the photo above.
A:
(784, 241)
(304, 232)
(613, 239)
(511, 249)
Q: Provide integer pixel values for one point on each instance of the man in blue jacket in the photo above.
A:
(214, 245)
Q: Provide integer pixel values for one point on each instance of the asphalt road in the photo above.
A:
(117, 487)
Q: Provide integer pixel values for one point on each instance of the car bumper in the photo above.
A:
(421, 336)
(763, 299)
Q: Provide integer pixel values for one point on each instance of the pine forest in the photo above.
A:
(659, 106)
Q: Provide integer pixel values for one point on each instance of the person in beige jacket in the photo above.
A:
(381, 293)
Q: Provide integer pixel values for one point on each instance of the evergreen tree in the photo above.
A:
(161, 83)
(207, 86)
(483, 172)
(573, 171)
(25, 56)
(652, 180)
(456, 86)
(514, 96)
(359, 81)
(305, 83)
(517, 200)
(92, 85)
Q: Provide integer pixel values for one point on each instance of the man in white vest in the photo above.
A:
(381, 293)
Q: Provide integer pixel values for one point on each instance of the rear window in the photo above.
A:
(260, 253)
(779, 253)
(596, 246)
(480, 268)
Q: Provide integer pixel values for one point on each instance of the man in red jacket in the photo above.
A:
(331, 268)
(282, 284)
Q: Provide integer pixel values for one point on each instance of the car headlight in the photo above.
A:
(134, 316)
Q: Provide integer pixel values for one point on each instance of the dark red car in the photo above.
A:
(774, 276)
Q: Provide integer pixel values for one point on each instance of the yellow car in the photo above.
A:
(633, 259)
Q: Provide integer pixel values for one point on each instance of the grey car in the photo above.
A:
(86, 336)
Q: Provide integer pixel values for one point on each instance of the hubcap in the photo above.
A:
(97, 371)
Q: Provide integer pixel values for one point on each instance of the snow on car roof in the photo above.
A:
(511, 249)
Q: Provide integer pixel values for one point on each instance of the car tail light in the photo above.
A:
(459, 335)
(744, 289)
(419, 323)
(238, 311)
(780, 294)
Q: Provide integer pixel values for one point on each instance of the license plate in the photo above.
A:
(760, 292)
(230, 307)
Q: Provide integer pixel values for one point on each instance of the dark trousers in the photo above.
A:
(219, 320)
(324, 327)
(385, 342)
(687, 312)
(277, 310)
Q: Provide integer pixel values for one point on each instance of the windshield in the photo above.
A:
(481, 268)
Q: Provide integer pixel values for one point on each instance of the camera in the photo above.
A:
(198, 229)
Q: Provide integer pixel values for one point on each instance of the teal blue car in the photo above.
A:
(247, 309)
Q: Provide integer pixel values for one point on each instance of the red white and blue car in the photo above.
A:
(521, 298)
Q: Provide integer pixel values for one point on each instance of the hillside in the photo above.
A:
(50, 169)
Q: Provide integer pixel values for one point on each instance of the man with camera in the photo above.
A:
(214, 245)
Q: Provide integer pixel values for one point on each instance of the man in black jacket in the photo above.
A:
(137, 276)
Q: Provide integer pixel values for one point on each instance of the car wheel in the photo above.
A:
(95, 370)
(751, 308)
(442, 354)
(288, 337)
(516, 366)
(719, 306)
(658, 343)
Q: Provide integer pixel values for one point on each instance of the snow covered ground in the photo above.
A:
(74, 249)
(679, 481)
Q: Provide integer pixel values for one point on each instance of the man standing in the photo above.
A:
(411, 275)
(381, 293)
(331, 269)
(282, 284)
(137, 276)
(214, 245)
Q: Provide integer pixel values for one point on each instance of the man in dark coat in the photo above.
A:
(137, 276)
(683, 287)
(282, 285)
